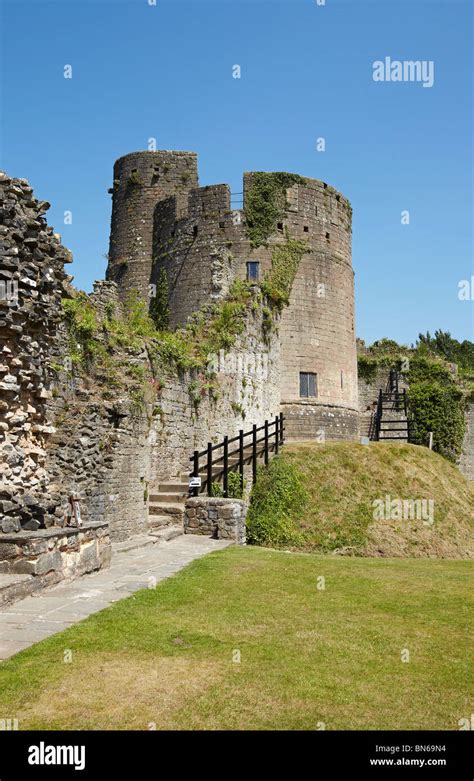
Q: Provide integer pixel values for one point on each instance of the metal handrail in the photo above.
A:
(273, 439)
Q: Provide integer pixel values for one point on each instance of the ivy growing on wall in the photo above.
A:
(436, 403)
(278, 282)
(265, 203)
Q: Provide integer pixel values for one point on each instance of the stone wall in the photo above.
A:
(32, 282)
(222, 519)
(52, 555)
(320, 422)
(248, 382)
(466, 464)
(197, 249)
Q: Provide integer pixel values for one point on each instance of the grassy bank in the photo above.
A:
(321, 498)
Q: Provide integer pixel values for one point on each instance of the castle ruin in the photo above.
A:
(162, 221)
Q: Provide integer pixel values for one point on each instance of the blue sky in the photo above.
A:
(165, 71)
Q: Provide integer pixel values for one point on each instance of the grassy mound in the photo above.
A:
(361, 500)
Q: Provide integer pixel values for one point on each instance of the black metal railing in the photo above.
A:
(397, 400)
(217, 461)
(236, 200)
(378, 416)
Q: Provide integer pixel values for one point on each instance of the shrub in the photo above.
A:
(277, 499)
(234, 488)
(440, 409)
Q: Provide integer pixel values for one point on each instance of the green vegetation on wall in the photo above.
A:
(435, 403)
(81, 320)
(286, 258)
(265, 203)
(97, 342)
(436, 394)
(159, 307)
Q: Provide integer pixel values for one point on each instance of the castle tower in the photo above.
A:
(319, 396)
(166, 223)
(319, 393)
(141, 180)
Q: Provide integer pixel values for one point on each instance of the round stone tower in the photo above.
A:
(141, 181)
(317, 333)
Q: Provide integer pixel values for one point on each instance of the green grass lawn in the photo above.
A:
(308, 657)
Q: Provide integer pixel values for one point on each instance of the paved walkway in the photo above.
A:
(36, 617)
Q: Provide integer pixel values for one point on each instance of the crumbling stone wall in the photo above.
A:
(58, 433)
(32, 282)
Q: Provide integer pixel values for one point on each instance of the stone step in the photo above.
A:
(166, 508)
(162, 497)
(158, 521)
(167, 533)
(14, 587)
(180, 488)
(137, 541)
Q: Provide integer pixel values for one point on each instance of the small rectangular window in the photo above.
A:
(195, 231)
(306, 229)
(253, 270)
(280, 226)
(308, 385)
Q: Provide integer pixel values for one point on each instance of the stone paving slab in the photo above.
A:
(39, 616)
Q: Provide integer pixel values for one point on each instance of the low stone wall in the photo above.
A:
(51, 555)
(223, 519)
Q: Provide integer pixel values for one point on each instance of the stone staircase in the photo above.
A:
(166, 508)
